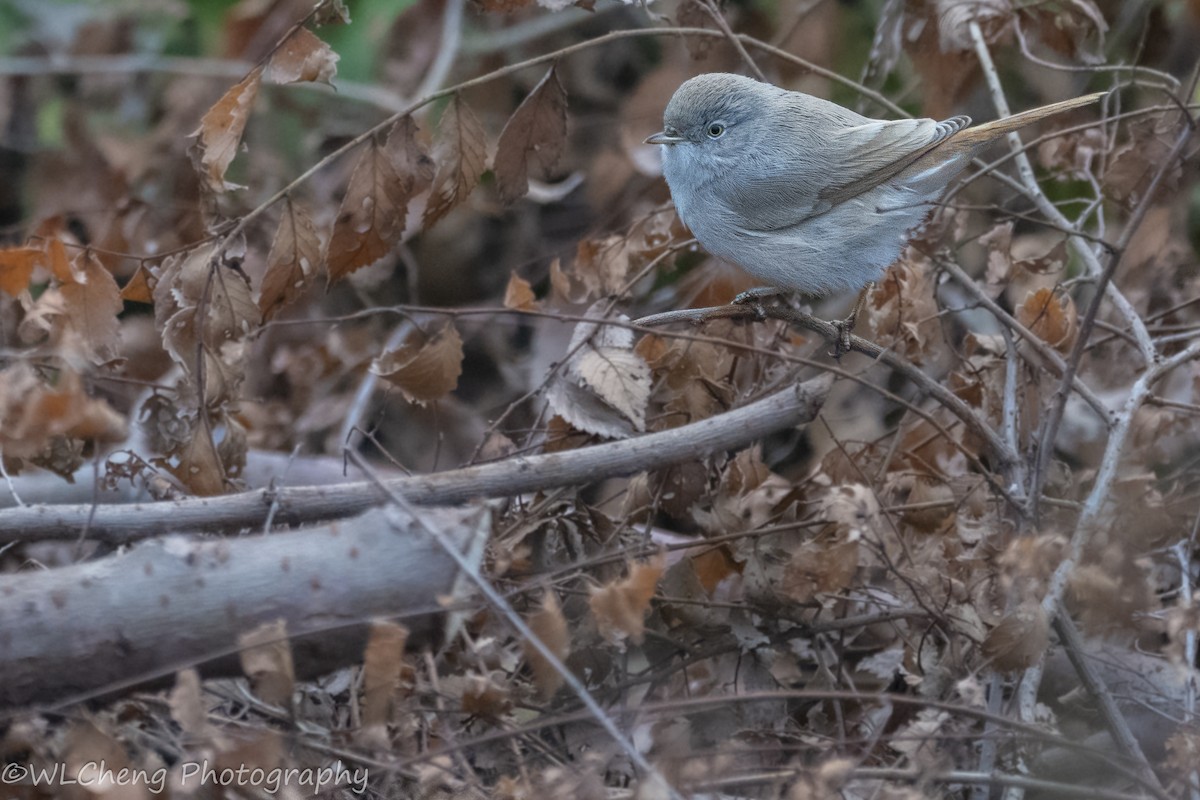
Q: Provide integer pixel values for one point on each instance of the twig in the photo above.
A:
(1011, 411)
(995, 445)
(710, 7)
(217, 68)
(1126, 742)
(1182, 551)
(1094, 505)
(447, 51)
(1044, 350)
(1103, 274)
(734, 429)
(497, 601)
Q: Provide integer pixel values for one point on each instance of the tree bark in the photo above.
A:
(81, 631)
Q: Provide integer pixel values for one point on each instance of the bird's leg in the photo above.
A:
(845, 326)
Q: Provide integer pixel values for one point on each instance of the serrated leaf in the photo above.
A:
(604, 386)
(1051, 316)
(92, 302)
(461, 155)
(533, 139)
(423, 368)
(303, 57)
(371, 219)
(293, 261)
(220, 132)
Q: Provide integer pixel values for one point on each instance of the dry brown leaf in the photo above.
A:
(1052, 317)
(486, 696)
(519, 296)
(549, 625)
(533, 139)
(16, 268)
(93, 758)
(602, 265)
(303, 57)
(424, 368)
(819, 568)
(92, 301)
(220, 132)
(33, 413)
(198, 464)
(412, 162)
(604, 387)
(266, 656)
(371, 218)
(383, 666)
(187, 705)
(620, 607)
(461, 156)
(903, 312)
(293, 261)
(1020, 638)
(138, 289)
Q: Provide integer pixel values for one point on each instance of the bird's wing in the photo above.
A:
(874, 153)
(855, 158)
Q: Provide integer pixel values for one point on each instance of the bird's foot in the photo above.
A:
(755, 297)
(845, 326)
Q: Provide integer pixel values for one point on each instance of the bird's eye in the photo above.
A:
(716, 130)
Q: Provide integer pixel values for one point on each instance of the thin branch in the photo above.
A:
(497, 601)
(1006, 458)
(786, 408)
(1127, 743)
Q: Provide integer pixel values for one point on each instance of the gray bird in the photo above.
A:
(804, 194)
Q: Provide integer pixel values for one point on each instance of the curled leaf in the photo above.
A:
(620, 607)
(371, 219)
(424, 368)
(550, 626)
(604, 386)
(303, 57)
(1052, 317)
(220, 132)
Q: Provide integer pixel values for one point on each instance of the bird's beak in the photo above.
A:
(662, 137)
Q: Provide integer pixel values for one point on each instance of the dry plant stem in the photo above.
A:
(1044, 350)
(1007, 459)
(786, 408)
(713, 11)
(216, 68)
(497, 601)
(1182, 551)
(983, 780)
(1011, 408)
(1088, 322)
(242, 224)
(1104, 285)
(1127, 743)
(1097, 498)
(452, 20)
(685, 705)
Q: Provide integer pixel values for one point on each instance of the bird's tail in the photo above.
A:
(997, 128)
